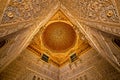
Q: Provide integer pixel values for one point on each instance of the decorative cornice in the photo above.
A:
(109, 28)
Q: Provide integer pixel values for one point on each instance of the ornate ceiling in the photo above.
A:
(86, 21)
(59, 39)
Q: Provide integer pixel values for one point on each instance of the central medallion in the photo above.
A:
(59, 37)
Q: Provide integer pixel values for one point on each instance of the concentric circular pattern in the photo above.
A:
(59, 37)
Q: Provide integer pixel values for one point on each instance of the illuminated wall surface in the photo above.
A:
(59, 40)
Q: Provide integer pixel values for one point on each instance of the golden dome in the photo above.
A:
(59, 37)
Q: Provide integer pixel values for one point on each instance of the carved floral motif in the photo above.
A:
(19, 10)
(95, 10)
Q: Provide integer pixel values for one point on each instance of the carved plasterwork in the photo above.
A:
(109, 28)
(8, 29)
(86, 74)
(3, 4)
(13, 18)
(101, 45)
(98, 11)
(21, 39)
(24, 10)
(94, 10)
(6, 52)
(59, 57)
(88, 11)
(113, 47)
(30, 60)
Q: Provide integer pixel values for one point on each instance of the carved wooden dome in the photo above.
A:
(59, 37)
